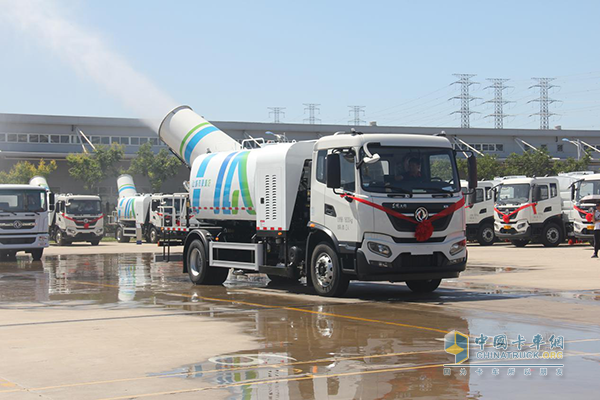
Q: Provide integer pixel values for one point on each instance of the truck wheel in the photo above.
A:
(37, 254)
(551, 235)
(153, 235)
(198, 269)
(95, 242)
(326, 272)
(520, 243)
(121, 238)
(60, 238)
(424, 286)
(486, 235)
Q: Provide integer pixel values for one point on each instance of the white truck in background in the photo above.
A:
(74, 218)
(152, 213)
(24, 220)
(371, 207)
(533, 210)
(479, 213)
(581, 213)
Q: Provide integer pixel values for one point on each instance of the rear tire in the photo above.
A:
(551, 235)
(486, 235)
(37, 254)
(121, 238)
(326, 272)
(199, 271)
(424, 286)
(520, 243)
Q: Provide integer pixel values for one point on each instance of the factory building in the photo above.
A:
(49, 137)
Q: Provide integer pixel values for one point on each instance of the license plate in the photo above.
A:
(507, 227)
(590, 227)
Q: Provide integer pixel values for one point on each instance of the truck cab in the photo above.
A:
(77, 218)
(479, 213)
(530, 210)
(24, 220)
(581, 213)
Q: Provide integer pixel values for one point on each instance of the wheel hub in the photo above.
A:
(195, 262)
(324, 270)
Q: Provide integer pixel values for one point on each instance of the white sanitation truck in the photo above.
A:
(345, 207)
(533, 210)
(479, 213)
(152, 212)
(24, 220)
(74, 218)
(581, 214)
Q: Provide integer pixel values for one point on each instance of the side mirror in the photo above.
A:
(472, 167)
(334, 174)
(51, 201)
(572, 192)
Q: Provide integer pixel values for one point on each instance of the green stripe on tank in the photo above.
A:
(188, 135)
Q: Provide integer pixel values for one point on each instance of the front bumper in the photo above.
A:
(407, 262)
(583, 231)
(24, 242)
(80, 235)
(518, 230)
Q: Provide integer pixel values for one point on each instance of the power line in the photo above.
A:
(357, 111)
(465, 98)
(312, 108)
(276, 112)
(498, 84)
(544, 85)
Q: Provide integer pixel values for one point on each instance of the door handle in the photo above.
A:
(483, 211)
(330, 210)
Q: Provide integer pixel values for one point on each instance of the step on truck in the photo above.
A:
(153, 214)
(74, 217)
(479, 213)
(370, 207)
(533, 210)
(24, 220)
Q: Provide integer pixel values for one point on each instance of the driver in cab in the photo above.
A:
(413, 172)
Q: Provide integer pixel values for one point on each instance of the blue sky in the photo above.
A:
(231, 60)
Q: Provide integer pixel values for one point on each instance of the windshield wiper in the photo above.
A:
(435, 190)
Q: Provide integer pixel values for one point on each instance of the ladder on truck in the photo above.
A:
(172, 233)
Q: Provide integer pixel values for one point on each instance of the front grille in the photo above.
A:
(9, 224)
(17, 240)
(409, 210)
(508, 211)
(407, 260)
(414, 240)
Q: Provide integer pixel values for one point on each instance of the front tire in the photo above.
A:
(520, 243)
(95, 242)
(486, 235)
(551, 235)
(37, 254)
(153, 235)
(60, 238)
(326, 272)
(424, 286)
(199, 271)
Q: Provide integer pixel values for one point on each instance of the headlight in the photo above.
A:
(458, 247)
(69, 230)
(380, 249)
(521, 225)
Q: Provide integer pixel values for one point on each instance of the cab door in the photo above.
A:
(546, 206)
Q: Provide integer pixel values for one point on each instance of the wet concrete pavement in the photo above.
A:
(124, 326)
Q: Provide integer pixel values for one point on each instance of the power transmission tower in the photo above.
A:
(465, 98)
(498, 101)
(276, 112)
(357, 111)
(312, 108)
(544, 100)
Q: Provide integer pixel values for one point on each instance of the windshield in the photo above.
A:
(517, 193)
(84, 207)
(22, 200)
(169, 203)
(587, 188)
(410, 170)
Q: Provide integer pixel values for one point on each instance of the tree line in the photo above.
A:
(100, 164)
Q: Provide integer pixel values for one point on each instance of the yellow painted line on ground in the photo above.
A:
(308, 376)
(233, 369)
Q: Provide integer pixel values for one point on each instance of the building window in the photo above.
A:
(125, 141)
(75, 139)
(544, 147)
(65, 139)
(143, 140)
(559, 148)
(154, 141)
(2, 137)
(11, 137)
(104, 140)
(44, 138)
(499, 147)
(22, 138)
(34, 138)
(135, 141)
(54, 138)
(94, 139)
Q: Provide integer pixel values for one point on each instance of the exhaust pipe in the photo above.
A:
(189, 135)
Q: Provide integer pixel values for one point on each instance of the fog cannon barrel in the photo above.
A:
(189, 135)
(39, 181)
(126, 186)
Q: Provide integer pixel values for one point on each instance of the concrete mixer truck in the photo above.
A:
(24, 219)
(370, 207)
(74, 218)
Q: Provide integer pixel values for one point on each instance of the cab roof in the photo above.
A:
(22, 187)
(386, 139)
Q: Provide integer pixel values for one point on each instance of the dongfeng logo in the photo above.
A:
(86, 221)
(421, 214)
(17, 224)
